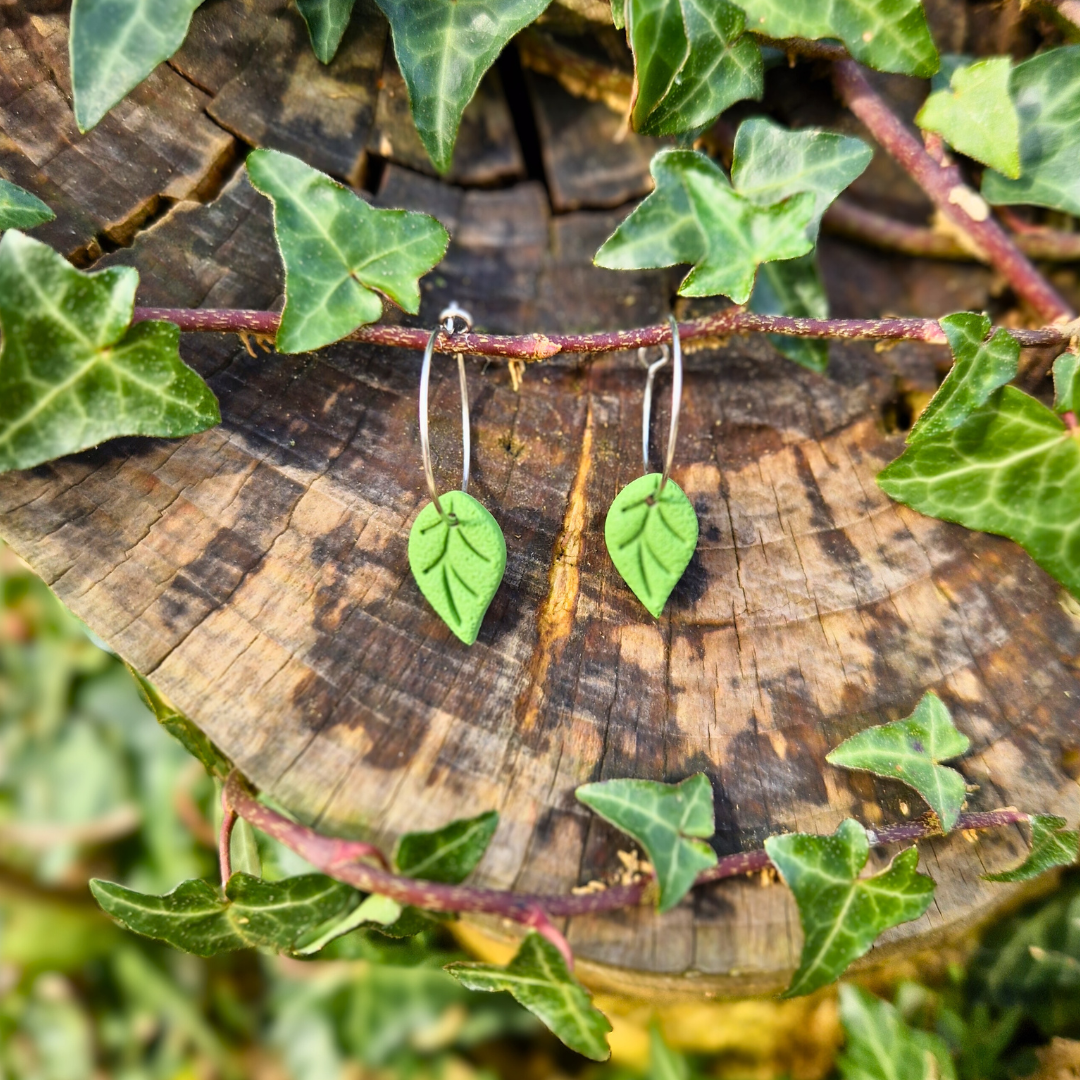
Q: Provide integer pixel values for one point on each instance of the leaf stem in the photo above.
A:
(228, 823)
(945, 186)
(536, 347)
(336, 857)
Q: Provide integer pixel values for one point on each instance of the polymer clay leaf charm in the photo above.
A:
(651, 538)
(458, 561)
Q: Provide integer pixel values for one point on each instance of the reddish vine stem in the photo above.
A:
(535, 347)
(337, 858)
(947, 190)
(228, 823)
(854, 222)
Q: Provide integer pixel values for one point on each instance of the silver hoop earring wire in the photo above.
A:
(447, 324)
(676, 403)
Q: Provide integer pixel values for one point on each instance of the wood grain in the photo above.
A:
(258, 574)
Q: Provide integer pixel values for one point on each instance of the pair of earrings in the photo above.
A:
(457, 551)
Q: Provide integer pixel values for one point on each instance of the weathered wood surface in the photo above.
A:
(258, 572)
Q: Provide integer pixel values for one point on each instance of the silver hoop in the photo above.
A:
(446, 324)
(676, 403)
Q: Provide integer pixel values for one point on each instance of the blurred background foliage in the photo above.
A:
(90, 785)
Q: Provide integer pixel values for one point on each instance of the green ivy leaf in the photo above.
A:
(1067, 382)
(890, 35)
(909, 750)
(1052, 844)
(115, 44)
(449, 854)
(1046, 92)
(181, 728)
(339, 252)
(841, 913)
(196, 918)
(979, 368)
(326, 21)
(975, 115)
(73, 373)
(458, 565)
(692, 61)
(19, 209)
(669, 821)
(793, 287)
(373, 910)
(618, 14)
(651, 538)
(1011, 468)
(770, 163)
(539, 979)
(695, 217)
(881, 1046)
(443, 50)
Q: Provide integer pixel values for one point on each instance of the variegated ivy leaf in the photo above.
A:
(326, 22)
(691, 60)
(910, 750)
(449, 854)
(196, 918)
(340, 253)
(19, 209)
(881, 1046)
(1012, 468)
(695, 217)
(1046, 92)
(670, 821)
(443, 50)
(976, 116)
(1053, 843)
(979, 368)
(770, 163)
(73, 371)
(841, 913)
(115, 44)
(539, 979)
(890, 35)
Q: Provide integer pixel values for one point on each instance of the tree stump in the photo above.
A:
(257, 573)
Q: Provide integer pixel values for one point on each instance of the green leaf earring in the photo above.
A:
(651, 530)
(456, 549)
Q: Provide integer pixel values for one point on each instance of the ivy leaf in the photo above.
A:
(793, 287)
(19, 209)
(115, 44)
(376, 910)
(443, 50)
(909, 750)
(72, 371)
(975, 115)
(979, 368)
(669, 821)
(841, 913)
(1011, 468)
(459, 563)
(1046, 92)
(449, 854)
(651, 538)
(1052, 844)
(695, 217)
(692, 61)
(339, 252)
(196, 918)
(539, 979)
(1067, 382)
(326, 21)
(618, 14)
(881, 1046)
(890, 35)
(770, 163)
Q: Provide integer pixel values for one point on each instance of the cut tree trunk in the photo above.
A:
(257, 573)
